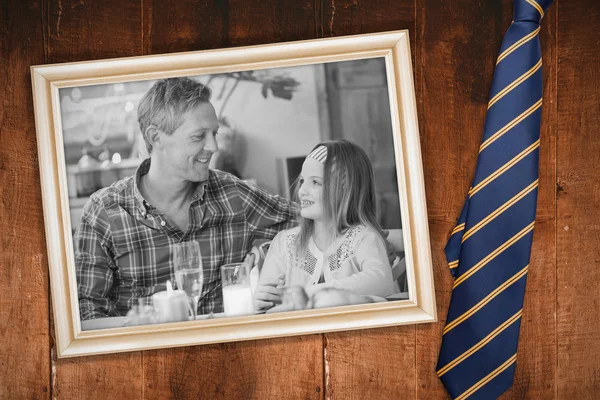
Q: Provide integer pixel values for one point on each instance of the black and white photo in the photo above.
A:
(284, 197)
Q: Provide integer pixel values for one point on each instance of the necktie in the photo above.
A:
(488, 250)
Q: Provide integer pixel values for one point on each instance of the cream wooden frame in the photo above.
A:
(48, 79)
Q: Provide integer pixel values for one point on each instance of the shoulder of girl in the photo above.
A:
(288, 233)
(363, 232)
(356, 233)
(360, 230)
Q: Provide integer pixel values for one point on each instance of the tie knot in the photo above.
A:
(530, 10)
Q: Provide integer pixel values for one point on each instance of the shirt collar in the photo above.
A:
(142, 204)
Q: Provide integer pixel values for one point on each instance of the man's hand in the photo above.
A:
(269, 293)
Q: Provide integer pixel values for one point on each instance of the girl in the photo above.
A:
(338, 243)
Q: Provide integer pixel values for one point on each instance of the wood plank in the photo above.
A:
(85, 31)
(578, 212)
(348, 17)
(372, 363)
(24, 305)
(278, 368)
(429, 338)
(174, 26)
(458, 45)
(272, 21)
(117, 376)
(353, 17)
(287, 368)
(81, 31)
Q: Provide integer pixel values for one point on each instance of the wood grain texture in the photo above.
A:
(172, 26)
(578, 214)
(370, 364)
(89, 30)
(116, 376)
(454, 47)
(288, 368)
(24, 300)
(347, 17)
(81, 30)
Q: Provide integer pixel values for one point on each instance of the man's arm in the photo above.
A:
(94, 266)
(267, 214)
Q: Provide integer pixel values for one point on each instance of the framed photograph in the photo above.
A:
(233, 194)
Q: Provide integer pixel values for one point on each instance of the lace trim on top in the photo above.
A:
(308, 264)
(346, 249)
(334, 260)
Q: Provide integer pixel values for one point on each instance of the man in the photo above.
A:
(125, 235)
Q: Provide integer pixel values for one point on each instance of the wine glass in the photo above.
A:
(187, 263)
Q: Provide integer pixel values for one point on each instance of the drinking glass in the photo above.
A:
(237, 292)
(188, 272)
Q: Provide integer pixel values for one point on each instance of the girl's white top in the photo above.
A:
(355, 261)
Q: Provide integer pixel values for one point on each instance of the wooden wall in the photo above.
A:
(454, 46)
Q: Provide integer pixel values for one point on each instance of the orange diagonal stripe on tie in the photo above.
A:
(537, 7)
(481, 343)
(500, 210)
(510, 125)
(488, 378)
(517, 44)
(458, 228)
(486, 300)
(513, 85)
(493, 255)
(504, 168)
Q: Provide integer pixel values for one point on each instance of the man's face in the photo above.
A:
(187, 152)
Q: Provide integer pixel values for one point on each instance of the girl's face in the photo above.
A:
(310, 191)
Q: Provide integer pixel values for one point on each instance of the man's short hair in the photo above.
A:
(165, 103)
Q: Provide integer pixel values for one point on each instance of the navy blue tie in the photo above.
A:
(488, 250)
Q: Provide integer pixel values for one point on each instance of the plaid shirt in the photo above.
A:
(123, 244)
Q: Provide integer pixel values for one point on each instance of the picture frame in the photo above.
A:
(47, 82)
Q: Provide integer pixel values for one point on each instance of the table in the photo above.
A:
(119, 322)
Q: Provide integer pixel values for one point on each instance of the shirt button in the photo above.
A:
(162, 223)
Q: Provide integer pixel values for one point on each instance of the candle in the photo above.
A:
(171, 305)
(237, 300)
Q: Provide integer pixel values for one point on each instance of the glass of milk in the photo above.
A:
(237, 292)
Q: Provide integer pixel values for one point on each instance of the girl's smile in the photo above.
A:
(306, 203)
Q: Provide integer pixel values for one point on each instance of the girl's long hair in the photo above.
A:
(349, 196)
